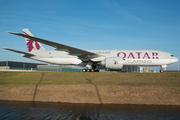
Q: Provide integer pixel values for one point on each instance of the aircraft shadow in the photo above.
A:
(90, 81)
(34, 96)
(97, 91)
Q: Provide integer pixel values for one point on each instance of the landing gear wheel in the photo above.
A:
(92, 70)
(84, 70)
(161, 71)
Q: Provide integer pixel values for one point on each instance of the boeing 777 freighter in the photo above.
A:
(90, 59)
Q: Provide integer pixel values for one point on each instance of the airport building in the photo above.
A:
(11, 65)
(65, 68)
(131, 69)
(62, 68)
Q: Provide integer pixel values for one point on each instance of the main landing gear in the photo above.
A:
(90, 67)
(90, 70)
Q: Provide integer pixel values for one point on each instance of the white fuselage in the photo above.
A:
(130, 57)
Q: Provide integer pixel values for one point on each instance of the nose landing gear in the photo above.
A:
(162, 68)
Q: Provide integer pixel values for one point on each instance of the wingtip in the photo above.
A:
(10, 32)
(13, 33)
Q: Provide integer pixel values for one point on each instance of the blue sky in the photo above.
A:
(92, 24)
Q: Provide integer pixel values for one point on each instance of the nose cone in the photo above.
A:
(174, 60)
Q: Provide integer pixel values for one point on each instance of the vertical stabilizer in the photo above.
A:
(31, 44)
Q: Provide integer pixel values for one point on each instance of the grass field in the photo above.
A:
(99, 88)
(90, 78)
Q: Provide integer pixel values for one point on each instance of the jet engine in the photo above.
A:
(114, 63)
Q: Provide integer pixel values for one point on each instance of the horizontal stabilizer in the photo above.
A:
(30, 54)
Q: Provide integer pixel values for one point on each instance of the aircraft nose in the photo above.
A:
(174, 60)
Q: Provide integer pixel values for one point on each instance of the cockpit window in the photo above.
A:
(172, 55)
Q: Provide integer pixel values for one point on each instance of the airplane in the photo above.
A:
(91, 59)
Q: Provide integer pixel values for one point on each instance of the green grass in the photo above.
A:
(137, 79)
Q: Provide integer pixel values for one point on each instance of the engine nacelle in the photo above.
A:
(114, 63)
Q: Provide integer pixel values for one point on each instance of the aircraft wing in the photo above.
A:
(19, 51)
(82, 54)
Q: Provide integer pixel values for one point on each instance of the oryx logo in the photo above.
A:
(115, 62)
(31, 44)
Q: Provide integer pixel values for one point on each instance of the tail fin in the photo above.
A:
(31, 44)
